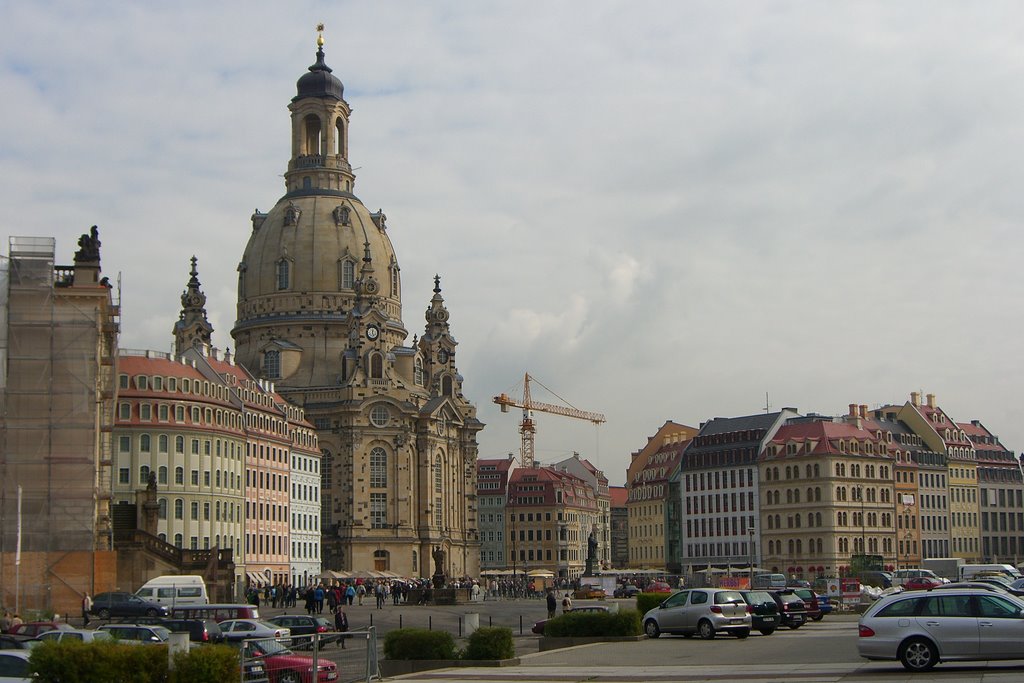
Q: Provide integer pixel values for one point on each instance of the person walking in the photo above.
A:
(350, 594)
(566, 603)
(552, 604)
(86, 607)
(341, 624)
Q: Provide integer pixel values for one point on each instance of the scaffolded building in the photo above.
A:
(58, 349)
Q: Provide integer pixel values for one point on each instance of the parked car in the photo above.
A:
(921, 583)
(121, 604)
(32, 629)
(305, 625)
(702, 611)
(876, 579)
(811, 603)
(1000, 582)
(198, 630)
(14, 667)
(137, 633)
(798, 583)
(901, 576)
(658, 587)
(764, 613)
(15, 642)
(792, 609)
(539, 626)
(824, 603)
(243, 629)
(920, 629)
(284, 666)
(626, 591)
(79, 634)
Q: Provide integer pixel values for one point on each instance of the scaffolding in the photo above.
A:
(58, 341)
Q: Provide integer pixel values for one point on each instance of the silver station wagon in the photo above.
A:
(701, 611)
(922, 628)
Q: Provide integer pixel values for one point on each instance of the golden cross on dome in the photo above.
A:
(320, 34)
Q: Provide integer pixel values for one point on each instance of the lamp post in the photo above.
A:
(751, 571)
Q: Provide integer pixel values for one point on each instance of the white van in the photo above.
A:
(969, 571)
(175, 590)
(900, 576)
(770, 582)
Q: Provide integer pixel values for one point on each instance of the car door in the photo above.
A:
(694, 609)
(1000, 627)
(13, 668)
(950, 621)
(670, 614)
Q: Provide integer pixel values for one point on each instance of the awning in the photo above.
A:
(256, 579)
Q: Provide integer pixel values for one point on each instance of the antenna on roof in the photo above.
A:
(767, 405)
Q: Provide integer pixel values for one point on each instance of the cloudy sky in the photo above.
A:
(663, 211)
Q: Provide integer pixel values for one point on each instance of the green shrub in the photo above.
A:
(206, 664)
(106, 661)
(418, 643)
(591, 624)
(648, 601)
(490, 643)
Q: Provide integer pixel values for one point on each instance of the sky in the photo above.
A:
(662, 211)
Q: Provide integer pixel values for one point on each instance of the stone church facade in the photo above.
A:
(320, 315)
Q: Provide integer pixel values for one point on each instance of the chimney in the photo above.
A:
(227, 355)
(853, 410)
(864, 411)
(915, 398)
(931, 400)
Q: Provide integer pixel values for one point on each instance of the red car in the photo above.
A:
(284, 666)
(34, 628)
(920, 583)
(658, 587)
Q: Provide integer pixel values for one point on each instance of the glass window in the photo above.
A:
(378, 468)
(272, 364)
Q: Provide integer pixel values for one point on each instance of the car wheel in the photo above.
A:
(918, 654)
(706, 630)
(151, 612)
(795, 626)
(742, 633)
(819, 617)
(651, 628)
(103, 613)
(767, 631)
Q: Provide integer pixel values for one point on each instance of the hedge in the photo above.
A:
(590, 624)
(490, 643)
(648, 601)
(419, 643)
(211, 663)
(107, 661)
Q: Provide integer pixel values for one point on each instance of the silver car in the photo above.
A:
(922, 628)
(702, 611)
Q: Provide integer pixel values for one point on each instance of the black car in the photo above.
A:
(791, 608)
(120, 604)
(626, 591)
(303, 626)
(13, 642)
(764, 612)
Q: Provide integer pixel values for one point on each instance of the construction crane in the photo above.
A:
(527, 428)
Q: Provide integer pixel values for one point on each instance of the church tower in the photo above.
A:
(320, 315)
(193, 329)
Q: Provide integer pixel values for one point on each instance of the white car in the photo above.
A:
(14, 666)
(246, 629)
(84, 635)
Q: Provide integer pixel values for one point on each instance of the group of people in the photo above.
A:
(9, 621)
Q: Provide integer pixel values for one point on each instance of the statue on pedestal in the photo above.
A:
(438, 579)
(591, 554)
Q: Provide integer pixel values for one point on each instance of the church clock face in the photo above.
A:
(372, 332)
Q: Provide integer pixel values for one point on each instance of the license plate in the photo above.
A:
(735, 621)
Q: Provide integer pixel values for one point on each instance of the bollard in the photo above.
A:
(490, 620)
(430, 623)
(520, 624)
(371, 618)
(178, 642)
(399, 621)
(460, 627)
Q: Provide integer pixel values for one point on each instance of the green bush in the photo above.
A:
(590, 624)
(104, 661)
(490, 643)
(648, 601)
(418, 643)
(206, 664)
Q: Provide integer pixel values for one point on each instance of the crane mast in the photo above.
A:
(527, 428)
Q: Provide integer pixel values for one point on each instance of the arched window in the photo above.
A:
(339, 136)
(272, 364)
(161, 509)
(377, 366)
(179, 444)
(282, 274)
(178, 540)
(418, 377)
(347, 274)
(145, 443)
(161, 476)
(378, 468)
(179, 508)
(311, 139)
(179, 475)
(446, 386)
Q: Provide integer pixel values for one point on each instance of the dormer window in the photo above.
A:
(272, 364)
(346, 274)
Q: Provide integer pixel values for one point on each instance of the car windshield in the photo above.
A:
(266, 648)
(728, 597)
(759, 598)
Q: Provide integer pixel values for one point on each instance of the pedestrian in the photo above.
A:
(350, 594)
(566, 603)
(86, 607)
(341, 624)
(378, 591)
(360, 591)
(319, 595)
(552, 604)
(5, 622)
(310, 601)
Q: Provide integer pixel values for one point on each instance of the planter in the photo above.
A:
(400, 667)
(547, 643)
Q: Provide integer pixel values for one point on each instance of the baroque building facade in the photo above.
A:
(320, 315)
